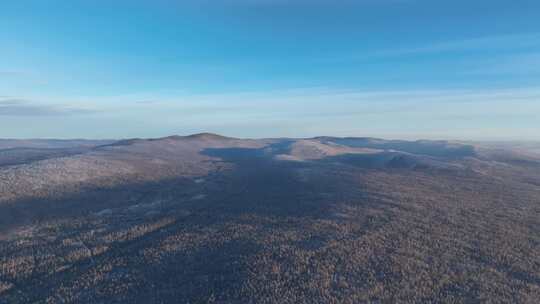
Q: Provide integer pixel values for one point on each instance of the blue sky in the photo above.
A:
(387, 68)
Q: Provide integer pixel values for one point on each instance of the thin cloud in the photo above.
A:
(23, 107)
(502, 42)
(18, 74)
(147, 101)
(518, 64)
(516, 42)
(12, 73)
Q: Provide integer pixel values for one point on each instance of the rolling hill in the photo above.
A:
(211, 219)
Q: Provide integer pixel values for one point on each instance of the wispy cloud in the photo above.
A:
(24, 76)
(11, 73)
(147, 101)
(23, 107)
(500, 42)
(460, 114)
(499, 55)
(16, 73)
(515, 64)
